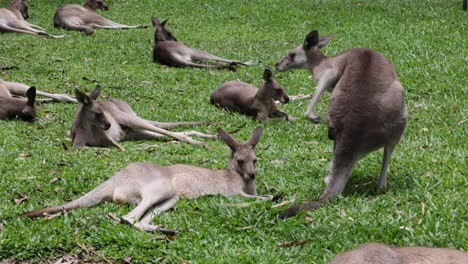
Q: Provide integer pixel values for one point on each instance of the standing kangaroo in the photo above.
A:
(167, 51)
(244, 98)
(367, 111)
(377, 253)
(12, 19)
(85, 18)
(20, 89)
(99, 124)
(156, 188)
(11, 107)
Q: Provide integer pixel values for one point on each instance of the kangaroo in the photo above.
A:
(167, 51)
(100, 124)
(244, 98)
(156, 188)
(367, 111)
(19, 89)
(85, 18)
(11, 107)
(377, 253)
(12, 19)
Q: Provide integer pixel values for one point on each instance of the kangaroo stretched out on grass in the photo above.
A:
(12, 19)
(19, 89)
(21, 108)
(377, 253)
(244, 98)
(156, 188)
(100, 124)
(367, 111)
(85, 18)
(167, 51)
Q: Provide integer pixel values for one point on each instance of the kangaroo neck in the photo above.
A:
(314, 59)
(262, 95)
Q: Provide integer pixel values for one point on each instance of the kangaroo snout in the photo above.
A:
(284, 99)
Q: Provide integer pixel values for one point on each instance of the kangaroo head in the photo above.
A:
(21, 6)
(295, 59)
(313, 44)
(95, 4)
(91, 113)
(161, 33)
(243, 157)
(273, 88)
(28, 113)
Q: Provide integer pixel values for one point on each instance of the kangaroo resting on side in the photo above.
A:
(19, 89)
(244, 98)
(167, 51)
(12, 19)
(156, 188)
(367, 111)
(100, 124)
(85, 18)
(377, 253)
(21, 108)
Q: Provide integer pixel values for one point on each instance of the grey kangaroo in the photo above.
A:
(85, 18)
(156, 188)
(367, 111)
(100, 124)
(21, 108)
(377, 253)
(19, 89)
(167, 51)
(244, 98)
(12, 19)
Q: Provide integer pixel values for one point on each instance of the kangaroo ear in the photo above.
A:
(155, 22)
(267, 74)
(95, 94)
(311, 40)
(31, 95)
(231, 142)
(163, 24)
(324, 41)
(82, 97)
(254, 137)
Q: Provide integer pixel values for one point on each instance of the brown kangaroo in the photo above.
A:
(21, 108)
(167, 51)
(367, 111)
(377, 253)
(85, 18)
(12, 19)
(19, 89)
(244, 98)
(156, 188)
(100, 124)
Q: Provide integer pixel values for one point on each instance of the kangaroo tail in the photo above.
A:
(101, 193)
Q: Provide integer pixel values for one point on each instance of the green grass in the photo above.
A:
(425, 40)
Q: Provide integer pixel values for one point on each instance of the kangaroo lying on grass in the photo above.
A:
(377, 253)
(100, 124)
(21, 108)
(367, 111)
(85, 19)
(12, 19)
(244, 98)
(19, 89)
(156, 188)
(167, 51)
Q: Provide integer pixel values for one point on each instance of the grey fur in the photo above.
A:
(154, 188)
(378, 253)
(85, 18)
(244, 98)
(19, 89)
(12, 19)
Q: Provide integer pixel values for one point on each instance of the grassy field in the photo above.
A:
(425, 203)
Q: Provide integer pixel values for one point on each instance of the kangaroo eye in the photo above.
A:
(292, 55)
